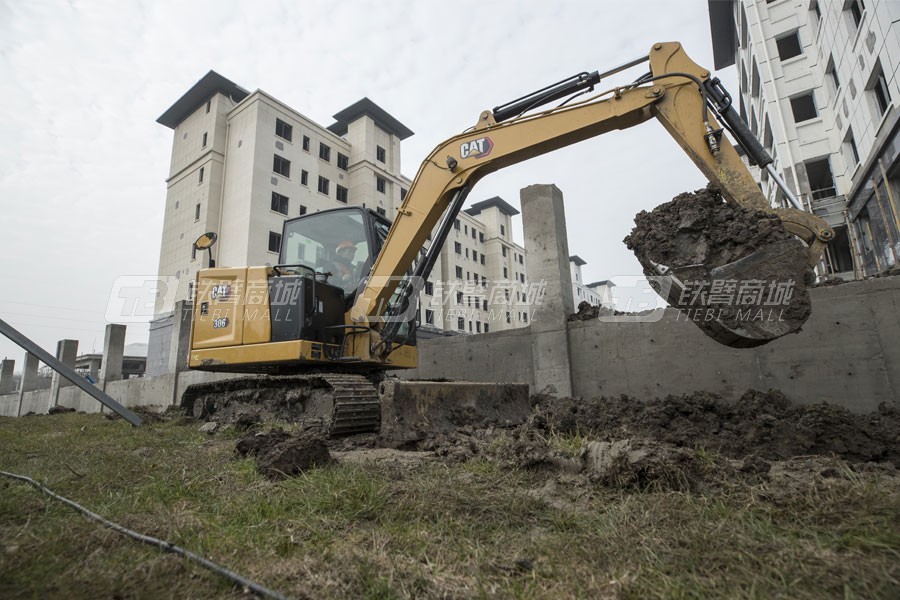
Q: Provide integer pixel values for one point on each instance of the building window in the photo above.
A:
(879, 89)
(521, 259)
(477, 326)
(283, 130)
(457, 247)
(302, 210)
(323, 185)
(508, 317)
(380, 184)
(279, 203)
(482, 258)
(821, 181)
(403, 192)
(475, 255)
(208, 105)
(456, 225)
(855, 8)
(459, 272)
(818, 11)
(467, 253)
(789, 46)
(203, 145)
(850, 147)
(503, 248)
(341, 194)
(282, 166)
(804, 107)
(429, 288)
(306, 143)
(505, 273)
(768, 138)
(831, 70)
(474, 234)
(470, 327)
(502, 232)
(524, 317)
(324, 152)
(200, 176)
(274, 242)
(197, 213)
(461, 324)
(193, 252)
(382, 212)
(343, 162)
(304, 178)
(429, 317)
(754, 80)
(486, 329)
(459, 297)
(380, 154)
(481, 237)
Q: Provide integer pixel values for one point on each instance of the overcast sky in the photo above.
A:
(83, 162)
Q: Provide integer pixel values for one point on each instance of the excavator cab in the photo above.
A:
(336, 245)
(284, 317)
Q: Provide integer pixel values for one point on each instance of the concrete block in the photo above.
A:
(66, 352)
(113, 352)
(7, 370)
(181, 337)
(29, 373)
(544, 224)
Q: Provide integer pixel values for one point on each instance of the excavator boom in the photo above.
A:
(677, 92)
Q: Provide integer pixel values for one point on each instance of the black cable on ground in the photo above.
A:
(161, 544)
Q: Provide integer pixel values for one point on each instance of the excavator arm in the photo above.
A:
(677, 92)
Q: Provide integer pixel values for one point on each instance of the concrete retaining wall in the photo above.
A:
(848, 353)
(161, 392)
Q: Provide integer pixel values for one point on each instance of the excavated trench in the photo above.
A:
(738, 274)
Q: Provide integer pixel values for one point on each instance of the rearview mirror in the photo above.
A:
(205, 242)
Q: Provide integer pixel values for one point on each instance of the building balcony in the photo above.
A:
(829, 206)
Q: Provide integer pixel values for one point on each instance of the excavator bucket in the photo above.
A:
(748, 302)
(735, 272)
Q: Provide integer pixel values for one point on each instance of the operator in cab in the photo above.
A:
(343, 258)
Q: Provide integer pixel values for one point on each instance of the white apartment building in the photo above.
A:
(484, 287)
(243, 163)
(598, 293)
(818, 85)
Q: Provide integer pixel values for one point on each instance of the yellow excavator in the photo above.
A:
(339, 306)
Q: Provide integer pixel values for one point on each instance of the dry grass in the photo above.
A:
(424, 530)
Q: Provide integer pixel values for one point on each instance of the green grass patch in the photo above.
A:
(426, 530)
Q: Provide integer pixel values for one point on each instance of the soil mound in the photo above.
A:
(280, 454)
(760, 424)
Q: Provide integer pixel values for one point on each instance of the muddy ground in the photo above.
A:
(713, 248)
(693, 442)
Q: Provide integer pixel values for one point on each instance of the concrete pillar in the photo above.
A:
(181, 337)
(29, 378)
(7, 370)
(113, 351)
(66, 352)
(544, 224)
